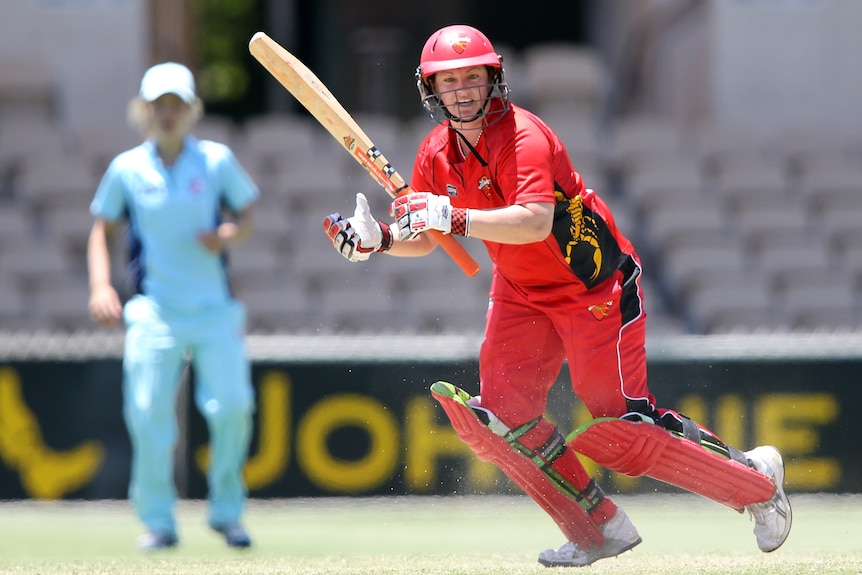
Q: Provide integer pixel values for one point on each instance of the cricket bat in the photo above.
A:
(319, 101)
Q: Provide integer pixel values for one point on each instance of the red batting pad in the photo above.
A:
(641, 448)
(567, 513)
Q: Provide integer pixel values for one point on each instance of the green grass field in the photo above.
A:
(427, 535)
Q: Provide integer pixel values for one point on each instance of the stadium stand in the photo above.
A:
(740, 229)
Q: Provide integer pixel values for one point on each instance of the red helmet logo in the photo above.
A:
(460, 44)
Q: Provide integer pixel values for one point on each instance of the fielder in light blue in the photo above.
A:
(172, 190)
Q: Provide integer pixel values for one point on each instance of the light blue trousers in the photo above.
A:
(158, 342)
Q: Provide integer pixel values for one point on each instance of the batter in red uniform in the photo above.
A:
(566, 286)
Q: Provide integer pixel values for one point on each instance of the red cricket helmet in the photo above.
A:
(457, 46)
(460, 46)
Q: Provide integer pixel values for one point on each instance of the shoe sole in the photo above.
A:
(628, 547)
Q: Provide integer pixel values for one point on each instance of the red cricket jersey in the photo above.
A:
(523, 160)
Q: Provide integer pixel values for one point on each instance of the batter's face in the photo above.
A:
(171, 117)
(463, 91)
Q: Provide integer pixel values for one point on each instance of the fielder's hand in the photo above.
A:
(358, 237)
(421, 211)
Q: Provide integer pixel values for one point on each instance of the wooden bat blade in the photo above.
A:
(315, 97)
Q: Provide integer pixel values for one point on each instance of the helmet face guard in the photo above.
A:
(433, 104)
(456, 47)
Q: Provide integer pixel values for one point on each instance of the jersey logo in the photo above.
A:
(452, 191)
(485, 186)
(601, 310)
(583, 230)
(196, 186)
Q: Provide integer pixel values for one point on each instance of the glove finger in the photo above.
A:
(418, 204)
(396, 204)
(362, 211)
(330, 221)
(404, 231)
(338, 233)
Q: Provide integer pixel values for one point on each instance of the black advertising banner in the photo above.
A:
(348, 429)
(372, 428)
(61, 430)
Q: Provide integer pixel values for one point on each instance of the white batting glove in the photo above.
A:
(421, 211)
(358, 237)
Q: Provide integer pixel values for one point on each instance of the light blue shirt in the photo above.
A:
(167, 207)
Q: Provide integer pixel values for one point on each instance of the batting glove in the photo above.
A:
(358, 237)
(422, 211)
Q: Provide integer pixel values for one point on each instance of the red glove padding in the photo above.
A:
(358, 237)
(421, 211)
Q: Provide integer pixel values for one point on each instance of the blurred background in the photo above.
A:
(725, 134)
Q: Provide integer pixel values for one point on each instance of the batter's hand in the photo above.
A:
(421, 211)
(105, 306)
(358, 237)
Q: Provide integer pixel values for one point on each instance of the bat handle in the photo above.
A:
(457, 252)
(449, 244)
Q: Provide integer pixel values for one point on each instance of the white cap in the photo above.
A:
(168, 78)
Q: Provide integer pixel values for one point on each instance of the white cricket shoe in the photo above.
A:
(620, 536)
(772, 518)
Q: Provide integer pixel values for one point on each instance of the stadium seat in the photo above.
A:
(851, 262)
(62, 306)
(842, 227)
(265, 143)
(807, 145)
(665, 183)
(758, 182)
(836, 189)
(256, 257)
(446, 310)
(218, 129)
(787, 265)
(36, 263)
(574, 79)
(22, 138)
(15, 309)
(27, 85)
(101, 142)
(823, 306)
(768, 226)
(51, 181)
(279, 306)
(674, 228)
(688, 267)
(360, 301)
(745, 308)
(639, 142)
(16, 226)
(69, 226)
(728, 145)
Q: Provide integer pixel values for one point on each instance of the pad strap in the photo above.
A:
(544, 457)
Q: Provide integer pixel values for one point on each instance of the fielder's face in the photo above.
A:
(171, 117)
(463, 91)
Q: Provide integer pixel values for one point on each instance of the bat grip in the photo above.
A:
(457, 252)
(449, 244)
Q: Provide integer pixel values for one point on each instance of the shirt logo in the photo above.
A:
(601, 310)
(485, 186)
(452, 191)
(196, 186)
